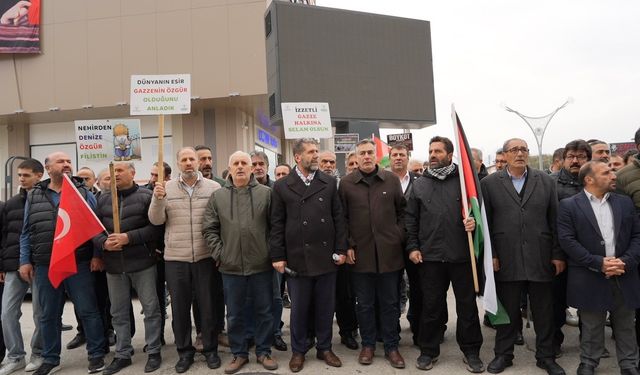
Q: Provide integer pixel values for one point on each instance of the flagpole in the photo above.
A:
(465, 204)
(114, 200)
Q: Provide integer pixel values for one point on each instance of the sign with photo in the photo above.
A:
(345, 143)
(108, 140)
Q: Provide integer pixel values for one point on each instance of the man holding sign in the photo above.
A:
(130, 261)
(36, 249)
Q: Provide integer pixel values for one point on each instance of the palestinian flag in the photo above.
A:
(382, 152)
(470, 186)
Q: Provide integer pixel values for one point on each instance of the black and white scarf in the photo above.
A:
(441, 173)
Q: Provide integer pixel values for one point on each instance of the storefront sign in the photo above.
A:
(108, 140)
(306, 120)
(160, 94)
(267, 140)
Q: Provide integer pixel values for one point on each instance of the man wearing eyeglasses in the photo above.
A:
(521, 205)
(576, 154)
(501, 160)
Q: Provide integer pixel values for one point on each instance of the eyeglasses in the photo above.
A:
(515, 150)
(500, 161)
(578, 157)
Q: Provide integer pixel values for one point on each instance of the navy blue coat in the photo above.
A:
(580, 238)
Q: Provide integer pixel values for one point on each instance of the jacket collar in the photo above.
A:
(359, 176)
(128, 191)
(252, 182)
(566, 178)
(529, 187)
(319, 182)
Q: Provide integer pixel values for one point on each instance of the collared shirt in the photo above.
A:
(306, 179)
(604, 217)
(186, 186)
(518, 182)
(404, 181)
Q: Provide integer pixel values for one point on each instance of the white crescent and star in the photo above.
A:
(66, 223)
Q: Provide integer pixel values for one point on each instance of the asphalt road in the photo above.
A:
(74, 362)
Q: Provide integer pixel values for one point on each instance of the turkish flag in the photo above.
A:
(76, 224)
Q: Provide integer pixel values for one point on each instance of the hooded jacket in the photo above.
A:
(236, 228)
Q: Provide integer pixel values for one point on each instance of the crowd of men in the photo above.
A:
(560, 238)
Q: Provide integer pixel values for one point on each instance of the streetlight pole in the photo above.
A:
(538, 125)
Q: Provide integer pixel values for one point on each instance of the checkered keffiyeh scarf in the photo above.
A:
(441, 173)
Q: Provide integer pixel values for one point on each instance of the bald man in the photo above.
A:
(36, 242)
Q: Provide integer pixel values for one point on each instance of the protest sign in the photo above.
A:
(306, 120)
(108, 140)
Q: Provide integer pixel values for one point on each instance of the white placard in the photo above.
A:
(166, 94)
(108, 140)
(306, 120)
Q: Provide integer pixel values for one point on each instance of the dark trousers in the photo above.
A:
(81, 291)
(162, 297)
(260, 287)
(434, 281)
(415, 299)
(345, 302)
(186, 282)
(303, 290)
(559, 307)
(383, 287)
(622, 324)
(3, 348)
(541, 305)
(219, 302)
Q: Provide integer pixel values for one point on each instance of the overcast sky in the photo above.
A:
(531, 56)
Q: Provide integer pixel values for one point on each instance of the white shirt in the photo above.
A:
(189, 188)
(604, 217)
(404, 181)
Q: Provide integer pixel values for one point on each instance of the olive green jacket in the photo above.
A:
(628, 181)
(236, 228)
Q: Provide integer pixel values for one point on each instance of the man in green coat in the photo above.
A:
(236, 229)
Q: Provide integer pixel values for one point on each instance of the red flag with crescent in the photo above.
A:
(76, 224)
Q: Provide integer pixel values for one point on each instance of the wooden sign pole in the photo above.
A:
(114, 200)
(161, 149)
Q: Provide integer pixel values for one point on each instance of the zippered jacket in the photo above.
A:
(183, 215)
(139, 253)
(236, 228)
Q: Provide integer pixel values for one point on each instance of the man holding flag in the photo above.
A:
(58, 224)
(437, 243)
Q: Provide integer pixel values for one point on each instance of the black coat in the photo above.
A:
(307, 225)
(433, 220)
(12, 222)
(567, 185)
(523, 230)
(374, 212)
(580, 238)
(412, 178)
(140, 253)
